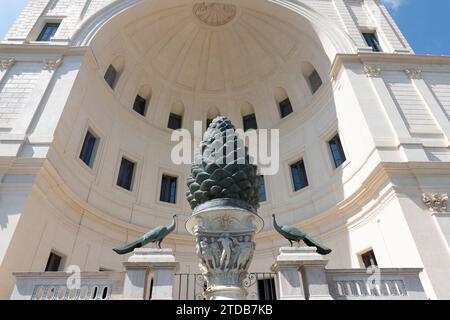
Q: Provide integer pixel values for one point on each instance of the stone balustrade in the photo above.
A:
(64, 286)
(376, 284)
(300, 274)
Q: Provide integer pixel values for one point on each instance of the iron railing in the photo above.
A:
(261, 286)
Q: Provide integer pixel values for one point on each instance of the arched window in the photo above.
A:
(284, 103)
(176, 116)
(312, 77)
(114, 71)
(249, 117)
(213, 113)
(142, 100)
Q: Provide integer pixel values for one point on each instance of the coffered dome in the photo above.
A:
(212, 47)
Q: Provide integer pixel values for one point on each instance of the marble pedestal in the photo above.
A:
(225, 231)
(301, 274)
(160, 264)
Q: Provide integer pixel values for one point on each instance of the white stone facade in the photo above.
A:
(391, 110)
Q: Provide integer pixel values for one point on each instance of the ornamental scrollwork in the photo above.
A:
(414, 74)
(52, 64)
(225, 258)
(6, 63)
(437, 203)
(372, 71)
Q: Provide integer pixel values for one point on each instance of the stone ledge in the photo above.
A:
(151, 256)
(300, 256)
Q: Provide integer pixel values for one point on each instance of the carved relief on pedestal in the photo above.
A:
(225, 258)
(436, 202)
(215, 14)
(372, 71)
(6, 63)
(229, 222)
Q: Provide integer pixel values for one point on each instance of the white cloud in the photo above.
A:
(394, 4)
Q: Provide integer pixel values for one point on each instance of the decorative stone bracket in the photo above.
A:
(437, 203)
(6, 63)
(52, 64)
(372, 71)
(414, 74)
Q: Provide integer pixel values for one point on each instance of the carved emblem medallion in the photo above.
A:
(215, 14)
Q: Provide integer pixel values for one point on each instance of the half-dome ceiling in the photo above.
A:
(212, 47)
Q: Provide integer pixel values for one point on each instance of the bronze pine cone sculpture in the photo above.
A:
(221, 175)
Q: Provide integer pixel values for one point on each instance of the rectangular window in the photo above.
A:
(299, 176)
(337, 151)
(175, 121)
(126, 174)
(169, 189)
(315, 81)
(110, 76)
(262, 189)
(48, 32)
(53, 263)
(372, 41)
(267, 290)
(369, 259)
(250, 122)
(140, 105)
(89, 149)
(285, 108)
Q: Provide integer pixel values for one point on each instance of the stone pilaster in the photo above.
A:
(49, 67)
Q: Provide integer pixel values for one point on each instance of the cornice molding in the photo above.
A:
(379, 58)
(60, 50)
(22, 165)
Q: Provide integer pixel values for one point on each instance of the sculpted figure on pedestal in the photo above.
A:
(294, 235)
(156, 235)
(223, 192)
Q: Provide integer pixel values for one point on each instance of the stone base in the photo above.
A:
(226, 293)
(225, 233)
(301, 274)
(160, 263)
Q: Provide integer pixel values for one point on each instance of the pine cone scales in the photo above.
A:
(221, 175)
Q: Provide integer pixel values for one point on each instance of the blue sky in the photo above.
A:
(425, 23)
